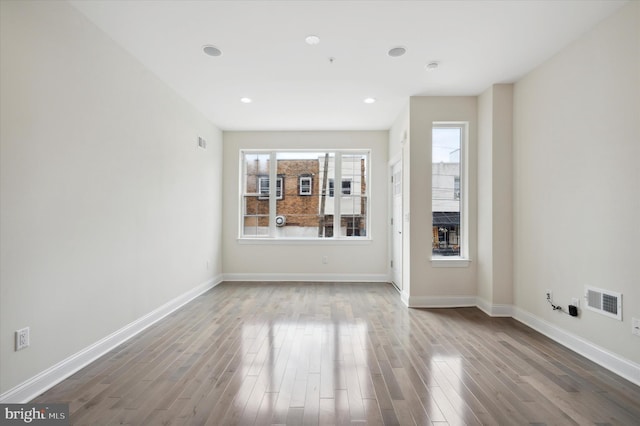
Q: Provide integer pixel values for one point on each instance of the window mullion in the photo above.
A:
(273, 191)
(337, 192)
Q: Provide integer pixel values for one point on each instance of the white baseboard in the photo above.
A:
(440, 301)
(377, 278)
(622, 367)
(50, 377)
(404, 297)
(494, 310)
(33, 387)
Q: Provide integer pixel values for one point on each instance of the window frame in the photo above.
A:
(279, 188)
(309, 185)
(337, 155)
(462, 260)
(350, 187)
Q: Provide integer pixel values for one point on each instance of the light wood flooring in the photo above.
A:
(340, 353)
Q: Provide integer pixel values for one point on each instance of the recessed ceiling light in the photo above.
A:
(432, 66)
(397, 51)
(211, 50)
(246, 100)
(312, 40)
(369, 100)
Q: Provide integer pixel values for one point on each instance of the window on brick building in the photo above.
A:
(305, 185)
(263, 184)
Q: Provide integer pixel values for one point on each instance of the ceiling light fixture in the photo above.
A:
(432, 66)
(211, 50)
(312, 40)
(397, 51)
(369, 100)
(246, 100)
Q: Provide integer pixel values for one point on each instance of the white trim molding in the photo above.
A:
(454, 262)
(53, 375)
(620, 366)
(404, 297)
(494, 310)
(441, 301)
(368, 278)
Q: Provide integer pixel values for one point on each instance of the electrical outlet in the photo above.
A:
(22, 338)
(635, 326)
(575, 302)
(548, 294)
(325, 259)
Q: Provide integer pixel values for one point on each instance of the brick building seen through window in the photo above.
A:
(305, 199)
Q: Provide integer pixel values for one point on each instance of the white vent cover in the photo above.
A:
(605, 302)
(202, 143)
(281, 220)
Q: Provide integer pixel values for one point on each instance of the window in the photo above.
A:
(447, 190)
(304, 204)
(304, 184)
(346, 187)
(263, 184)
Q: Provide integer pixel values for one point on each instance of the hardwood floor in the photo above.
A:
(340, 353)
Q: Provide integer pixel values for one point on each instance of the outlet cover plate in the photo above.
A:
(22, 338)
(635, 326)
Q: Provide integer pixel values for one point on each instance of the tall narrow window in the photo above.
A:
(305, 203)
(447, 190)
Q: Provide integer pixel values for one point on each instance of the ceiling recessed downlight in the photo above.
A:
(246, 100)
(369, 100)
(397, 51)
(211, 50)
(312, 40)
(432, 66)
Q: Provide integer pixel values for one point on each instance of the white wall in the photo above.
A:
(286, 260)
(109, 209)
(577, 181)
(429, 283)
(398, 151)
(495, 198)
(399, 134)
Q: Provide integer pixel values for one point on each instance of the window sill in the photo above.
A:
(450, 262)
(305, 241)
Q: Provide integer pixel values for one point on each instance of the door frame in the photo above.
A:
(393, 162)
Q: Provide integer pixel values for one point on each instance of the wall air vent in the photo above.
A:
(202, 143)
(605, 302)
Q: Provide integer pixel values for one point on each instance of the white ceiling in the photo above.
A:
(294, 86)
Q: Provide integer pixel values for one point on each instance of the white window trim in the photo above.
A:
(463, 260)
(263, 196)
(309, 184)
(450, 262)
